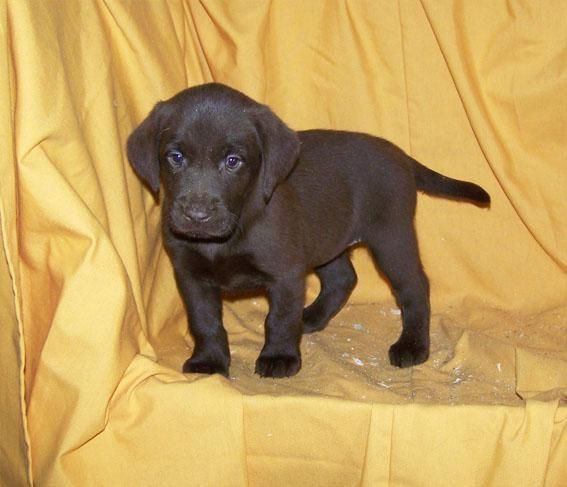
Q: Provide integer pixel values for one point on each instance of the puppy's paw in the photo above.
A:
(195, 366)
(278, 365)
(406, 354)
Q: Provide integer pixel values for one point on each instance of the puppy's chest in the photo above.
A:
(233, 272)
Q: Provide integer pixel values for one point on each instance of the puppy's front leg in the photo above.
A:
(280, 356)
(204, 307)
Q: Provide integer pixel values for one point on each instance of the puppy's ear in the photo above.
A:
(142, 149)
(280, 148)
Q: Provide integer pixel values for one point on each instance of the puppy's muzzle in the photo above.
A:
(201, 218)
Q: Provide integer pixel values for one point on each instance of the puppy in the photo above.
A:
(250, 204)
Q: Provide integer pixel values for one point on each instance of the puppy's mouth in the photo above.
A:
(210, 227)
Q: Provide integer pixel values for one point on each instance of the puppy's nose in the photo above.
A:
(198, 214)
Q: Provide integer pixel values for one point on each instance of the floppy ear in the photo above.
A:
(280, 148)
(142, 149)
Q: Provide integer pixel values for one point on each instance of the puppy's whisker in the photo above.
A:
(235, 221)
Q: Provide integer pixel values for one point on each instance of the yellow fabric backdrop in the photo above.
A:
(93, 333)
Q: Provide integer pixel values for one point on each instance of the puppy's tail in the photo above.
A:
(429, 181)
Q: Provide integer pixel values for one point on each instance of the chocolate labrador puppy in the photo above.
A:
(250, 204)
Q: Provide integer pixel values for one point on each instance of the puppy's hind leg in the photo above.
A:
(338, 279)
(395, 249)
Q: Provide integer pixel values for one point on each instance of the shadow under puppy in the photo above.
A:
(250, 204)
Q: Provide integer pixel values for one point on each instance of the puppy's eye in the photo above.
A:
(232, 162)
(175, 158)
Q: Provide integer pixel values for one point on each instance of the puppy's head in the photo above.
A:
(211, 147)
